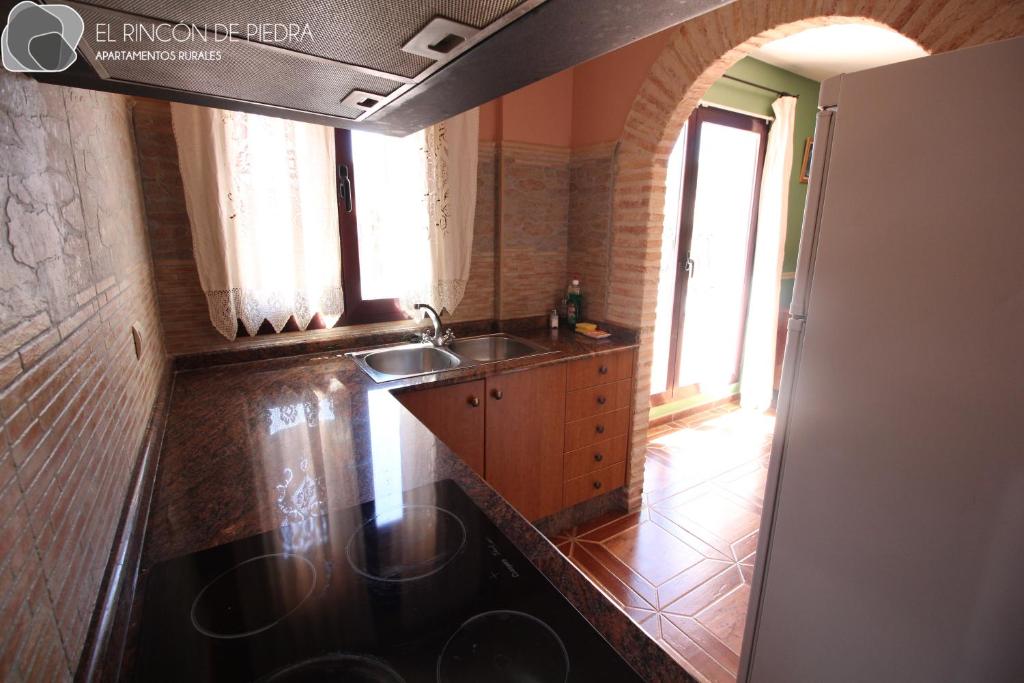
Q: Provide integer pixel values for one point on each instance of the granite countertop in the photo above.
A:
(251, 446)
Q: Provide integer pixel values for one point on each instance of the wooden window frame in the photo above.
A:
(700, 115)
(358, 310)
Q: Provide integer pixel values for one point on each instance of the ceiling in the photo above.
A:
(821, 53)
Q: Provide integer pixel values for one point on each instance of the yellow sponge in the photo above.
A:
(586, 327)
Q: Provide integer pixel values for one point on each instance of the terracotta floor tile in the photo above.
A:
(705, 549)
(743, 550)
(614, 527)
(652, 552)
(604, 578)
(727, 617)
(707, 641)
(690, 550)
(621, 571)
(747, 482)
(693, 656)
(713, 512)
(606, 518)
(705, 594)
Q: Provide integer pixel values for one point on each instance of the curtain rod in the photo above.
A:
(781, 93)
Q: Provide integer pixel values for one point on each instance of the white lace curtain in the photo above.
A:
(415, 206)
(758, 373)
(261, 200)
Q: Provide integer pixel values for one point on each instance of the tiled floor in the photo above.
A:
(681, 566)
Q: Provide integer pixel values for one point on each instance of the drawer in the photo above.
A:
(603, 398)
(602, 369)
(595, 456)
(594, 484)
(580, 433)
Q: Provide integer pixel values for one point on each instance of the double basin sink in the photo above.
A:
(409, 360)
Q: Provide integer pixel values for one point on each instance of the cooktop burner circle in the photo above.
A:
(253, 595)
(336, 667)
(503, 646)
(413, 542)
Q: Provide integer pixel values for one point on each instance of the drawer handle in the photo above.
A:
(601, 400)
(474, 401)
(497, 394)
(599, 429)
(603, 369)
(597, 484)
(598, 457)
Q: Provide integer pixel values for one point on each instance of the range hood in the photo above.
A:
(381, 65)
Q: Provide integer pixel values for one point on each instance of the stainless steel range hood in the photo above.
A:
(387, 66)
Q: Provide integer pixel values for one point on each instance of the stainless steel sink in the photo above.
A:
(495, 347)
(408, 360)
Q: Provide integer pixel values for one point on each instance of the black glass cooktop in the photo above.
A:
(422, 588)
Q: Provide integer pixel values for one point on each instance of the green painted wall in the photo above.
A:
(738, 96)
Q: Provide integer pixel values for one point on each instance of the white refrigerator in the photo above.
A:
(892, 542)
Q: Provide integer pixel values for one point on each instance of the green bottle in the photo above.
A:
(573, 304)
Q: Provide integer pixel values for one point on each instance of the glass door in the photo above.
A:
(701, 323)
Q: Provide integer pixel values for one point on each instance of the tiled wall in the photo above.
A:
(591, 178)
(75, 273)
(526, 244)
(533, 228)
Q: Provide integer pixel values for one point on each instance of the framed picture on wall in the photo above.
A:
(805, 165)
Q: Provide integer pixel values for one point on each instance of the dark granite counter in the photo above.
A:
(252, 446)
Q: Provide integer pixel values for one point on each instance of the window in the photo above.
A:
(383, 220)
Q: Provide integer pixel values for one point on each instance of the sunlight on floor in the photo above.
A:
(681, 566)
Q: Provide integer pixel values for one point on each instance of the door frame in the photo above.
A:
(701, 114)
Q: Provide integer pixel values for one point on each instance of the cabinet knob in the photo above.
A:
(601, 400)
(497, 394)
(598, 457)
(599, 429)
(597, 484)
(473, 401)
(603, 369)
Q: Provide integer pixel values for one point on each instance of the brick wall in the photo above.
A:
(75, 273)
(695, 57)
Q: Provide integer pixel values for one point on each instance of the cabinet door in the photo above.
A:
(456, 415)
(525, 429)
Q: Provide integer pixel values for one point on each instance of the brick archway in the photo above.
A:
(698, 54)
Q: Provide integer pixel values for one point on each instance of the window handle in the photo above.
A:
(344, 188)
(689, 265)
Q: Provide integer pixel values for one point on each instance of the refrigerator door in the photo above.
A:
(894, 547)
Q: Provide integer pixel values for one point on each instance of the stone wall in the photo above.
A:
(75, 274)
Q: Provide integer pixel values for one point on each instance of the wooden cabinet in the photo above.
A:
(525, 425)
(509, 428)
(602, 369)
(455, 414)
(597, 482)
(595, 456)
(603, 398)
(545, 438)
(598, 415)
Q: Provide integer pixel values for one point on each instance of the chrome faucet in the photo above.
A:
(435, 338)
